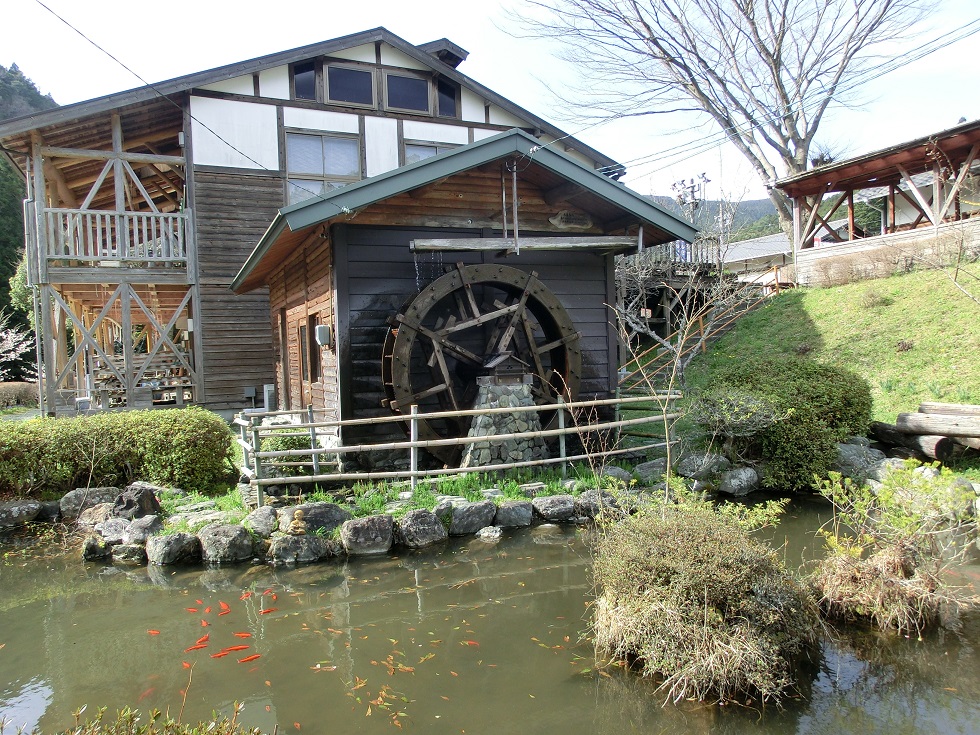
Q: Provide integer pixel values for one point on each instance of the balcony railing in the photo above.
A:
(82, 237)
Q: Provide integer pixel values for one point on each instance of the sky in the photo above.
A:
(180, 37)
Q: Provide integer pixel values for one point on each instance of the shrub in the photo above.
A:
(285, 440)
(18, 394)
(693, 600)
(819, 405)
(186, 448)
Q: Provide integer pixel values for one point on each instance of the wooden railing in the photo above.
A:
(95, 237)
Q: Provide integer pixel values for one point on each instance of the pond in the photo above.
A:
(475, 639)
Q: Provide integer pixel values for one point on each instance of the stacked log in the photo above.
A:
(937, 431)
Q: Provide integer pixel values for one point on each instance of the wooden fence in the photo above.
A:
(577, 419)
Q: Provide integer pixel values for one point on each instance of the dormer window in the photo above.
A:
(349, 85)
(404, 92)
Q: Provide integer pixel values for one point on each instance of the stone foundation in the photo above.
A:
(508, 450)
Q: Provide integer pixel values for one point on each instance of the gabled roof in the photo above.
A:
(188, 82)
(878, 167)
(287, 228)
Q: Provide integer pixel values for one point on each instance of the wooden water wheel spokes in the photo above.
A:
(460, 327)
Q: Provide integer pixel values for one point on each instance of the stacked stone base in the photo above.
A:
(506, 451)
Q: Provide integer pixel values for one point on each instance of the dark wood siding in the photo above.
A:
(382, 275)
(232, 212)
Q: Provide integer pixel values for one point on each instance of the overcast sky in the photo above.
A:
(175, 38)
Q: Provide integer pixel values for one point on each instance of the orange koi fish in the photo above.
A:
(195, 647)
(249, 658)
(242, 635)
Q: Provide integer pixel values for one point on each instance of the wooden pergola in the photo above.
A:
(921, 182)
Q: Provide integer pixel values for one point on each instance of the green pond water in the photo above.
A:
(476, 638)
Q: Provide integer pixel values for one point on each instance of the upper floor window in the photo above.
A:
(415, 152)
(447, 98)
(316, 164)
(350, 85)
(304, 81)
(403, 92)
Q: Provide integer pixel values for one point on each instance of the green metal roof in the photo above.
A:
(513, 142)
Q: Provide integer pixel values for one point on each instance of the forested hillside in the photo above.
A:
(752, 217)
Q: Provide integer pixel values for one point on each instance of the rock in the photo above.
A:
(554, 508)
(548, 533)
(322, 516)
(861, 441)
(157, 490)
(140, 529)
(738, 482)
(572, 485)
(444, 511)
(177, 548)
(262, 521)
(225, 544)
(469, 518)
(420, 528)
(95, 548)
(95, 515)
(128, 554)
(652, 472)
(618, 474)
(880, 471)
(50, 511)
(81, 498)
(491, 493)
(371, 535)
(698, 466)
(514, 514)
(111, 529)
(18, 512)
(856, 461)
(531, 489)
(136, 501)
(930, 473)
(490, 533)
(589, 503)
(203, 518)
(204, 505)
(296, 549)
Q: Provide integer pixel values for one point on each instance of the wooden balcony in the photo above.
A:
(80, 244)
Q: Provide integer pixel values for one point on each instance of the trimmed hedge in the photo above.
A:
(825, 405)
(186, 448)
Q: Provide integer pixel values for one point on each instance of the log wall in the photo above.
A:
(232, 212)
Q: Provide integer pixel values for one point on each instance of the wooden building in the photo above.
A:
(143, 205)
(406, 287)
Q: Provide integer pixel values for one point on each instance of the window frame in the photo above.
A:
(403, 153)
(457, 94)
(369, 69)
(318, 83)
(409, 74)
(325, 178)
(312, 322)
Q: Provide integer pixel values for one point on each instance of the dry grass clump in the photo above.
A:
(888, 588)
(691, 599)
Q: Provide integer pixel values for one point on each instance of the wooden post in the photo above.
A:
(47, 330)
(414, 450)
(313, 445)
(850, 214)
(249, 463)
(561, 437)
(256, 444)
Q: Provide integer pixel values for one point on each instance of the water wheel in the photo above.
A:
(464, 324)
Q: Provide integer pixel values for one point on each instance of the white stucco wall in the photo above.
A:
(416, 130)
(326, 120)
(380, 145)
(236, 85)
(275, 83)
(248, 134)
(363, 53)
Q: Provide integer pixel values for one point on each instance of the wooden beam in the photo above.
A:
(588, 242)
(964, 170)
(563, 192)
(926, 208)
(97, 155)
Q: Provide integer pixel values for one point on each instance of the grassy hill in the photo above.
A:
(914, 337)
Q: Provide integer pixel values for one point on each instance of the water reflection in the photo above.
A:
(479, 637)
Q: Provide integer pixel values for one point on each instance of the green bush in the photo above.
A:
(820, 405)
(18, 394)
(186, 448)
(285, 440)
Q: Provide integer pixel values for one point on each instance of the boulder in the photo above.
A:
(371, 535)
(469, 518)
(112, 530)
(698, 466)
(296, 549)
(129, 554)
(420, 528)
(554, 508)
(589, 503)
(18, 512)
(323, 516)
(881, 469)
(617, 473)
(81, 498)
(738, 482)
(136, 501)
(444, 511)
(856, 461)
(514, 514)
(50, 511)
(202, 518)
(490, 534)
(140, 529)
(262, 521)
(95, 515)
(176, 548)
(652, 472)
(95, 548)
(225, 544)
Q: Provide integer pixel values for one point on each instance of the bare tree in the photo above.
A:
(765, 71)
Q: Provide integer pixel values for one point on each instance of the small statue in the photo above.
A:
(297, 526)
